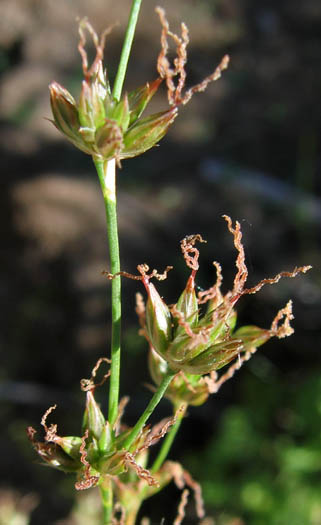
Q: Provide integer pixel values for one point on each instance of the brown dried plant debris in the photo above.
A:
(51, 432)
(141, 472)
(160, 430)
(214, 292)
(99, 44)
(143, 269)
(88, 480)
(182, 479)
(190, 253)
(181, 507)
(168, 72)
(89, 384)
(242, 273)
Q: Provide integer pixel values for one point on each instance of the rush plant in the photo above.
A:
(188, 342)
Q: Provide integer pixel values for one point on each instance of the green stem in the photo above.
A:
(107, 174)
(106, 492)
(167, 442)
(149, 409)
(164, 450)
(129, 36)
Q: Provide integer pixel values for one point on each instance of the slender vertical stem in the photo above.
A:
(164, 450)
(106, 492)
(167, 442)
(132, 21)
(107, 174)
(149, 409)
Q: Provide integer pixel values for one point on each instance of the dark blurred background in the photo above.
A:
(249, 147)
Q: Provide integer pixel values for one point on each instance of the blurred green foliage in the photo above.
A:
(264, 463)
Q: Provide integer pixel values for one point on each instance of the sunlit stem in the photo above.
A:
(168, 441)
(149, 410)
(121, 72)
(107, 174)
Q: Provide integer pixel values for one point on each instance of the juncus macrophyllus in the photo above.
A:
(190, 340)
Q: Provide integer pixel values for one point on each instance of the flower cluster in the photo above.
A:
(198, 335)
(100, 450)
(107, 128)
(100, 454)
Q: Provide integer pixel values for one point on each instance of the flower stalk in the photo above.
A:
(149, 409)
(129, 36)
(107, 176)
(168, 441)
(106, 171)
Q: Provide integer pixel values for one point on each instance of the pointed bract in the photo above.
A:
(158, 320)
(252, 336)
(95, 421)
(140, 97)
(120, 113)
(187, 306)
(147, 132)
(214, 358)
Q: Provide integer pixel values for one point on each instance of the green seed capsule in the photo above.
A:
(94, 418)
(70, 445)
(188, 306)
(158, 321)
